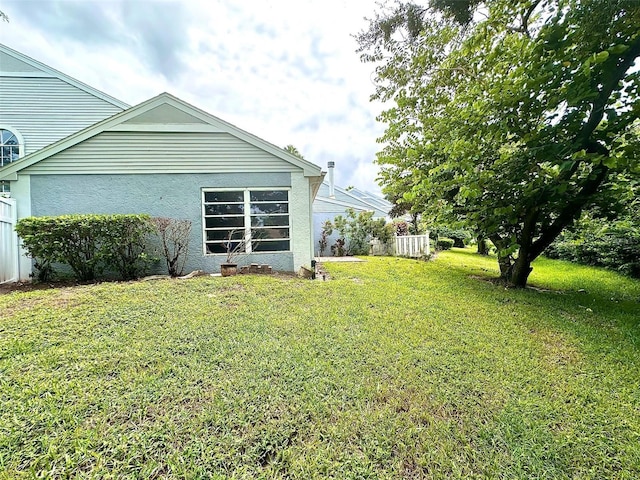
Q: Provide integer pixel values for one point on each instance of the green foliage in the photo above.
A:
(512, 123)
(356, 230)
(459, 236)
(293, 151)
(125, 245)
(382, 372)
(445, 243)
(89, 244)
(614, 245)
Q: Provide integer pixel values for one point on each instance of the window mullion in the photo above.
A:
(247, 221)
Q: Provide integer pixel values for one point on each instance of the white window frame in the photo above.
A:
(247, 217)
(16, 133)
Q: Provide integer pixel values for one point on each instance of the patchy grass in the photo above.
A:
(394, 369)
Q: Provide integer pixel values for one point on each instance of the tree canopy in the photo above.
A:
(511, 116)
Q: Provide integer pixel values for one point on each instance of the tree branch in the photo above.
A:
(600, 102)
(569, 213)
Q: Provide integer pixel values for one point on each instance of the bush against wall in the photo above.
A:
(174, 237)
(356, 231)
(323, 243)
(89, 244)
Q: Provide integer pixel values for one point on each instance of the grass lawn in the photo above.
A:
(393, 369)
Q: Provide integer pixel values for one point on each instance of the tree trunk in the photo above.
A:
(413, 224)
(520, 272)
(483, 248)
(506, 267)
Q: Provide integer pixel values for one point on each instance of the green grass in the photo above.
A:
(393, 369)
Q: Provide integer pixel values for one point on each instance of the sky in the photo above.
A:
(286, 71)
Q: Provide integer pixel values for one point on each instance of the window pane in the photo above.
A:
(270, 196)
(271, 246)
(223, 197)
(224, 209)
(262, 208)
(267, 233)
(270, 221)
(221, 235)
(224, 222)
(216, 248)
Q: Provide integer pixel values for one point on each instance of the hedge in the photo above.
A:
(445, 243)
(89, 244)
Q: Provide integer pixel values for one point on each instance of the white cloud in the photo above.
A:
(283, 70)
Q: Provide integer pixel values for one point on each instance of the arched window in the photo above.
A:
(10, 146)
(11, 149)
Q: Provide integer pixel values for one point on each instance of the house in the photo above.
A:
(68, 148)
(332, 201)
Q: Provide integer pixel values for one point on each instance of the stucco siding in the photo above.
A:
(319, 218)
(46, 109)
(175, 196)
(302, 229)
(170, 152)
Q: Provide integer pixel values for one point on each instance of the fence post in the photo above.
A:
(8, 241)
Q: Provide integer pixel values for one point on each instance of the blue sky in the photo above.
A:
(286, 71)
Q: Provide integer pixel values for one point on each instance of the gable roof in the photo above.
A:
(372, 199)
(16, 64)
(163, 113)
(354, 198)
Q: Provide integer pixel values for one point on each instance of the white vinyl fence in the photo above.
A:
(414, 246)
(8, 241)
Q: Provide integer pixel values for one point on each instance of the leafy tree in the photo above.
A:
(513, 117)
(4, 17)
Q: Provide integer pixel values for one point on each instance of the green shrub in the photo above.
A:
(445, 243)
(125, 245)
(460, 237)
(615, 246)
(89, 244)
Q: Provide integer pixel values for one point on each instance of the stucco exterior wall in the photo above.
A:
(175, 196)
(302, 230)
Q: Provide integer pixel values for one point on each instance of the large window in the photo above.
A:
(259, 216)
(10, 151)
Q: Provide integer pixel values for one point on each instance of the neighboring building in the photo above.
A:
(332, 201)
(76, 150)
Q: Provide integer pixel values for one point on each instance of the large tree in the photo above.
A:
(509, 115)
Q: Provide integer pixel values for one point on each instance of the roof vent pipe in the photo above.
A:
(332, 188)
